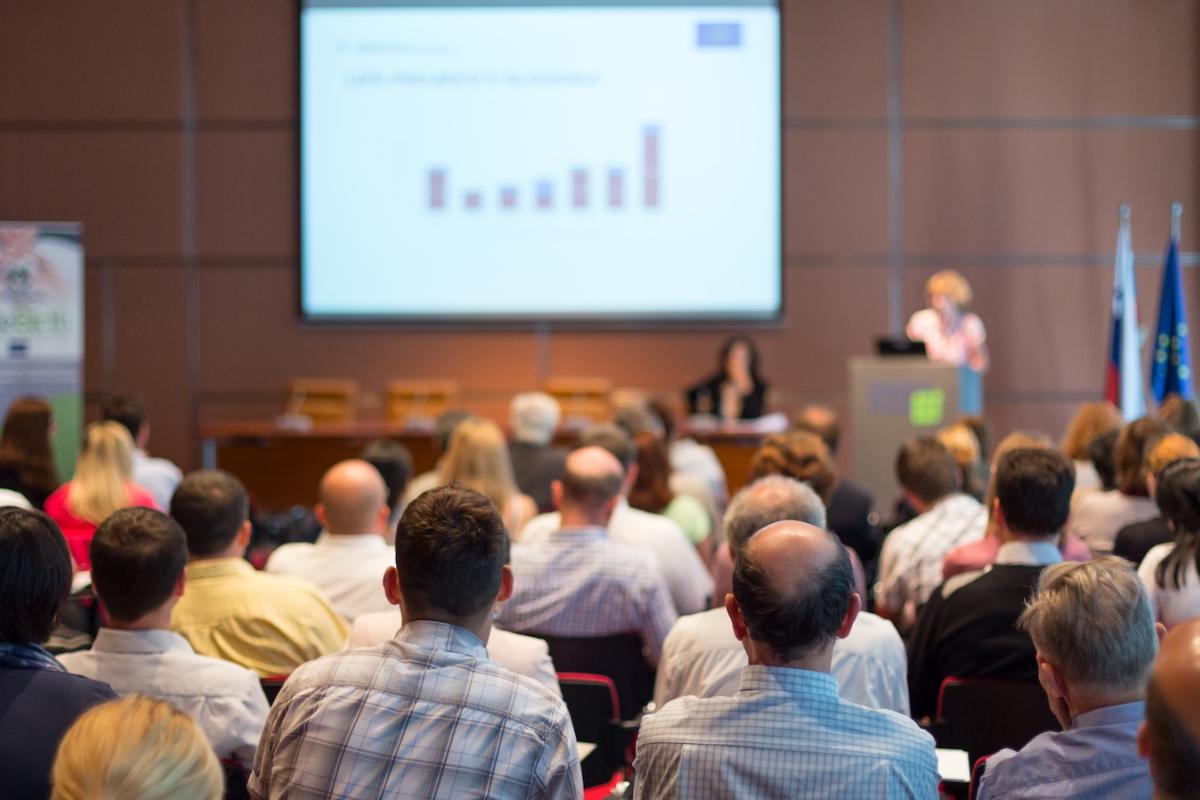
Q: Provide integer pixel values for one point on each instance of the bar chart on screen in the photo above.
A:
(584, 188)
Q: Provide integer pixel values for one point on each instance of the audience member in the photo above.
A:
(1182, 415)
(1103, 454)
(737, 390)
(478, 460)
(1169, 570)
(679, 563)
(1096, 639)
(850, 506)
(39, 699)
(695, 468)
(103, 483)
(652, 491)
(350, 555)
(579, 581)
(536, 460)
(427, 714)
(1097, 517)
(910, 565)
(1089, 421)
(447, 423)
(968, 627)
(394, 462)
(1170, 736)
(268, 623)
(1135, 540)
(138, 560)
(785, 733)
(702, 657)
(158, 476)
(26, 460)
(136, 748)
(965, 450)
(980, 554)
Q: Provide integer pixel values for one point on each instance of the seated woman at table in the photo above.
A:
(736, 390)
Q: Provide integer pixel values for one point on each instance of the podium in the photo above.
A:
(894, 398)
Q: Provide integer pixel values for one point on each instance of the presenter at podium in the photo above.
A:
(952, 335)
(736, 391)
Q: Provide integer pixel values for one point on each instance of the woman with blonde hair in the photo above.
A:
(964, 447)
(1089, 421)
(136, 748)
(478, 459)
(952, 335)
(103, 483)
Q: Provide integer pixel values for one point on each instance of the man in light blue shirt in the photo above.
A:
(1096, 640)
(786, 733)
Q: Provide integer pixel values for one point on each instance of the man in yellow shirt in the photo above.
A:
(268, 623)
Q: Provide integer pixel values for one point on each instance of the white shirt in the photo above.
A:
(1171, 606)
(947, 346)
(225, 700)
(702, 657)
(689, 457)
(910, 565)
(10, 498)
(687, 578)
(158, 476)
(524, 655)
(348, 569)
(1096, 517)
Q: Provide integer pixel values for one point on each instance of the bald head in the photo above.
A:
(793, 585)
(352, 496)
(1170, 737)
(591, 482)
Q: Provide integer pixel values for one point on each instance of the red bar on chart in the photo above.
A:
(508, 197)
(473, 200)
(651, 145)
(437, 188)
(616, 187)
(544, 191)
(579, 188)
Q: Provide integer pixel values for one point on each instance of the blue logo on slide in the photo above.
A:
(719, 34)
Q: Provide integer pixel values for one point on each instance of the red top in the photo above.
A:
(79, 532)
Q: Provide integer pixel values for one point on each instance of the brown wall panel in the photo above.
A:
(835, 58)
(124, 187)
(246, 184)
(64, 60)
(835, 192)
(1044, 191)
(1060, 58)
(246, 59)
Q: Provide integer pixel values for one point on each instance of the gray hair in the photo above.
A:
(769, 500)
(535, 417)
(1093, 621)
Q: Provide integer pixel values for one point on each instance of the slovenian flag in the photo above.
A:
(1171, 371)
(1124, 386)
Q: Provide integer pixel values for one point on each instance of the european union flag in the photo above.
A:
(1170, 371)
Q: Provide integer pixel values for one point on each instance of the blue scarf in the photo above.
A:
(28, 656)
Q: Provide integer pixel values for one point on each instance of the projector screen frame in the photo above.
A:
(543, 322)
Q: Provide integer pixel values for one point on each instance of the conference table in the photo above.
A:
(281, 465)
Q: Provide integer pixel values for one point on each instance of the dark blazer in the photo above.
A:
(36, 708)
(848, 516)
(1135, 540)
(753, 405)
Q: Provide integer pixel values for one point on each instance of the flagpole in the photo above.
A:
(1176, 219)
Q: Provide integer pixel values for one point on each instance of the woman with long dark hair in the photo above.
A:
(1171, 572)
(26, 461)
(737, 390)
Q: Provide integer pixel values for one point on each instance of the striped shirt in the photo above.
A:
(580, 583)
(426, 715)
(785, 733)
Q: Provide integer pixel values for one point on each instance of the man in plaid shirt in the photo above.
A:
(428, 714)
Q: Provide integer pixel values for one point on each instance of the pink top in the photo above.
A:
(79, 532)
(959, 347)
(980, 554)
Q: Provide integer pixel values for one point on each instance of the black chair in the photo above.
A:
(595, 715)
(271, 686)
(236, 780)
(981, 715)
(977, 776)
(617, 657)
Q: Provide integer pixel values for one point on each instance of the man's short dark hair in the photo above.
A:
(1102, 450)
(793, 625)
(137, 556)
(926, 468)
(1034, 486)
(394, 462)
(451, 548)
(612, 439)
(211, 506)
(35, 575)
(127, 409)
(1174, 753)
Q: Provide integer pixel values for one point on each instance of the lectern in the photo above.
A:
(892, 399)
